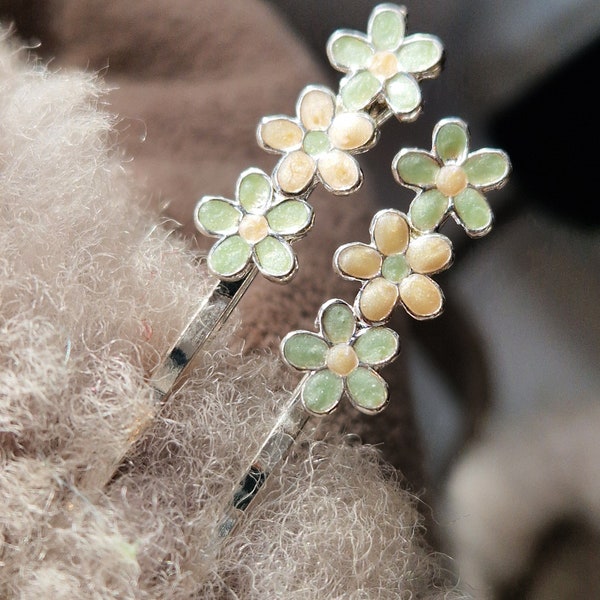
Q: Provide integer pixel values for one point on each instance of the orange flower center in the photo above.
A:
(383, 65)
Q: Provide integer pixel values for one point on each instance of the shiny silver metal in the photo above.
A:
(276, 447)
(212, 313)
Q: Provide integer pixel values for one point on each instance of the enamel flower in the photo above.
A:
(395, 267)
(318, 144)
(255, 228)
(451, 180)
(385, 66)
(341, 358)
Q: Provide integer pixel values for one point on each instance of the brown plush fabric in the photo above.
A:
(191, 81)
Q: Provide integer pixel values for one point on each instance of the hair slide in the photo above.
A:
(256, 229)
(352, 342)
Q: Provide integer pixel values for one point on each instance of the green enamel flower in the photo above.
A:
(395, 268)
(385, 65)
(341, 358)
(451, 180)
(255, 228)
(318, 144)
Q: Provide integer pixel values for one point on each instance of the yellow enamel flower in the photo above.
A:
(395, 267)
(317, 145)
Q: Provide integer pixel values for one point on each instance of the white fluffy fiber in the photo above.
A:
(92, 290)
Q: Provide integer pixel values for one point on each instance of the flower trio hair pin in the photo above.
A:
(352, 343)
(268, 213)
(256, 229)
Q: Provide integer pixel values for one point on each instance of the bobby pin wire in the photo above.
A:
(269, 213)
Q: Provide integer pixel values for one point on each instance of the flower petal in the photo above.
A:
(295, 172)
(229, 257)
(321, 392)
(304, 350)
(386, 27)
(429, 254)
(275, 258)
(339, 172)
(279, 134)
(421, 296)
(421, 55)
(217, 216)
(404, 96)
(377, 299)
(473, 212)
(348, 51)
(358, 261)
(487, 169)
(359, 90)
(415, 168)
(367, 390)
(338, 321)
(254, 191)
(428, 210)
(390, 231)
(316, 107)
(350, 131)
(376, 346)
(290, 217)
(451, 140)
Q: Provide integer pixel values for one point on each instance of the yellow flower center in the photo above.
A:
(253, 228)
(383, 65)
(341, 359)
(451, 180)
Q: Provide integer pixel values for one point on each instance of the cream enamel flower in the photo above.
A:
(318, 144)
(394, 268)
(385, 65)
(341, 359)
(255, 228)
(451, 180)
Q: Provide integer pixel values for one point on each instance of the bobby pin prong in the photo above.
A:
(209, 317)
(206, 321)
(275, 448)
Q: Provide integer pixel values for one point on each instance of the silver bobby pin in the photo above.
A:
(395, 268)
(382, 70)
(206, 321)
